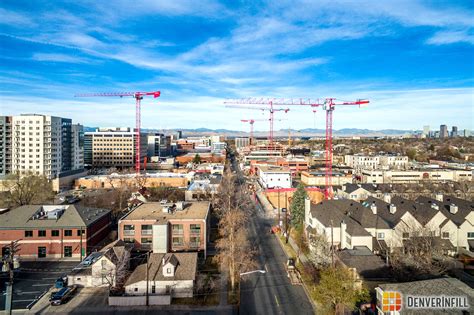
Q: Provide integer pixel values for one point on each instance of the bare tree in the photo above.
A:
(235, 253)
(320, 250)
(120, 182)
(28, 188)
(117, 276)
(230, 195)
(421, 255)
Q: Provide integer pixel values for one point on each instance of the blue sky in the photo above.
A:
(414, 60)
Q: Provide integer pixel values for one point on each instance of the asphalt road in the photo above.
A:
(272, 292)
(33, 279)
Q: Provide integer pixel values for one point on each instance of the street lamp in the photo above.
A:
(253, 271)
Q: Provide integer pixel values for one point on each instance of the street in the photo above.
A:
(272, 292)
(33, 280)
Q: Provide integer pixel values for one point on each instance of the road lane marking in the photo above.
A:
(276, 299)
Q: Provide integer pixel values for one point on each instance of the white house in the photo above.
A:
(458, 223)
(102, 269)
(387, 224)
(171, 274)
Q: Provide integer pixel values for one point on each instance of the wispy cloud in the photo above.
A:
(451, 37)
(59, 58)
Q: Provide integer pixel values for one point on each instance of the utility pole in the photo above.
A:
(10, 265)
(279, 207)
(332, 245)
(147, 267)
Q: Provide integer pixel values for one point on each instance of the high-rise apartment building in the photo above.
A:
(45, 145)
(443, 131)
(5, 145)
(113, 147)
(426, 131)
(158, 144)
(454, 131)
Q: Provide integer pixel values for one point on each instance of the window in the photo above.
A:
(42, 233)
(445, 234)
(470, 234)
(129, 240)
(405, 235)
(147, 229)
(135, 289)
(28, 233)
(67, 232)
(380, 236)
(195, 241)
(195, 228)
(79, 232)
(153, 289)
(67, 251)
(178, 241)
(146, 240)
(128, 229)
(168, 270)
(177, 228)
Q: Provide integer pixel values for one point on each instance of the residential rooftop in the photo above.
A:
(50, 216)
(162, 212)
(185, 264)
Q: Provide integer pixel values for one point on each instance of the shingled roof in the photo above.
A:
(72, 216)
(186, 265)
(333, 212)
(433, 287)
(465, 207)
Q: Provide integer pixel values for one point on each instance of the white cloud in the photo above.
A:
(59, 58)
(450, 37)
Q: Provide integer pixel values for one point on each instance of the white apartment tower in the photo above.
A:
(45, 145)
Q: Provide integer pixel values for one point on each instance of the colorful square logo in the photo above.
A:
(392, 301)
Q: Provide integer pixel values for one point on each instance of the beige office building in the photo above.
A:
(115, 147)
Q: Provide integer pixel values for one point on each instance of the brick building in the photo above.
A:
(54, 231)
(183, 226)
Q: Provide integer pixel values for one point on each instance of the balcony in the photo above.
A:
(128, 232)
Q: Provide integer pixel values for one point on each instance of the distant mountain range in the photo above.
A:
(307, 132)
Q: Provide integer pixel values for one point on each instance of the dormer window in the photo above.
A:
(168, 270)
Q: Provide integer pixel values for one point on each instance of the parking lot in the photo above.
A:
(32, 281)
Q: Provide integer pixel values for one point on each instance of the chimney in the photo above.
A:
(343, 234)
(373, 207)
(163, 260)
(439, 197)
(393, 208)
(307, 208)
(453, 208)
(387, 198)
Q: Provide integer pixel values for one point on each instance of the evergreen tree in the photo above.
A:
(197, 159)
(297, 207)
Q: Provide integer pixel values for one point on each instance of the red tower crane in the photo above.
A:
(328, 105)
(251, 122)
(260, 101)
(138, 96)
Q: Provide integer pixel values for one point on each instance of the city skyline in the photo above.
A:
(416, 69)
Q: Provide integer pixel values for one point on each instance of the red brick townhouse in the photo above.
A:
(53, 231)
(167, 227)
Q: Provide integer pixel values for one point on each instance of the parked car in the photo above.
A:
(62, 296)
